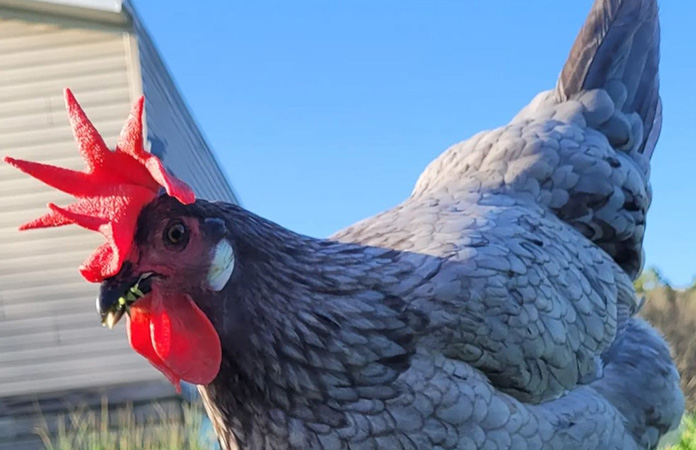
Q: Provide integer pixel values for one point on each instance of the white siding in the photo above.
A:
(172, 128)
(50, 339)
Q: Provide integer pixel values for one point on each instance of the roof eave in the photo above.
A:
(74, 9)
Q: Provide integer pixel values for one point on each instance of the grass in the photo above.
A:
(87, 429)
(687, 439)
(106, 429)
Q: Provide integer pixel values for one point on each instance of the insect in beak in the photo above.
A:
(115, 301)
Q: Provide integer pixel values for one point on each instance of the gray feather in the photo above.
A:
(617, 50)
(492, 309)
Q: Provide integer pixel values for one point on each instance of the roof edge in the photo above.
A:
(130, 11)
(104, 12)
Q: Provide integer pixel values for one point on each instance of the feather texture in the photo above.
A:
(493, 308)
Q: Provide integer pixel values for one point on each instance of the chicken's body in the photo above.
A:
(492, 308)
(341, 346)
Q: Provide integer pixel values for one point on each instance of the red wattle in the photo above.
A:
(139, 338)
(176, 337)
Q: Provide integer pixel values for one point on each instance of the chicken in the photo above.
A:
(492, 309)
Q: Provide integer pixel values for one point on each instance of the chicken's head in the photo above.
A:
(154, 248)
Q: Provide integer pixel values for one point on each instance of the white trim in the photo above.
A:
(109, 11)
(102, 5)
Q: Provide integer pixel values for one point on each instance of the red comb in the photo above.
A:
(114, 187)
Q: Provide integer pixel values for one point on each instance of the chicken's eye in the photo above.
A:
(176, 235)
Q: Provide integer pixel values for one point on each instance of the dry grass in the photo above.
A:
(87, 429)
(674, 314)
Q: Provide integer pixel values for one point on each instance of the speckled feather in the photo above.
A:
(492, 309)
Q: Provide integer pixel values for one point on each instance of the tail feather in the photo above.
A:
(582, 149)
(613, 73)
(618, 50)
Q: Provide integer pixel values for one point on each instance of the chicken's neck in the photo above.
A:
(303, 319)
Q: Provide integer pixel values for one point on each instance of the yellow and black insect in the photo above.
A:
(122, 306)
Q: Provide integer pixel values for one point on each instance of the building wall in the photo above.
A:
(172, 131)
(53, 354)
(50, 339)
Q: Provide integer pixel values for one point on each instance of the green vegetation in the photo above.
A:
(124, 429)
(687, 440)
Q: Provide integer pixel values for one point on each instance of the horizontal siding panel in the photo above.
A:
(40, 134)
(50, 86)
(54, 336)
(56, 118)
(65, 152)
(78, 52)
(133, 372)
(52, 106)
(50, 336)
(59, 291)
(92, 348)
(111, 358)
(47, 301)
(33, 324)
(56, 245)
(11, 235)
(20, 139)
(27, 207)
(56, 38)
(14, 28)
(34, 264)
(27, 75)
(23, 185)
(88, 99)
(35, 204)
(55, 310)
(20, 280)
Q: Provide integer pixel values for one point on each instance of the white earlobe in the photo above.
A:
(222, 266)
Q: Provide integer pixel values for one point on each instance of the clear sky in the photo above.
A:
(326, 112)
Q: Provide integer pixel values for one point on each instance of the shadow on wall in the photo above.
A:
(158, 147)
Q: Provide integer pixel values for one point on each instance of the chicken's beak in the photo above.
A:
(115, 297)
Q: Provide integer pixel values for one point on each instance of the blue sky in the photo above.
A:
(324, 113)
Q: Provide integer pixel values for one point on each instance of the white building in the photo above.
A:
(52, 347)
